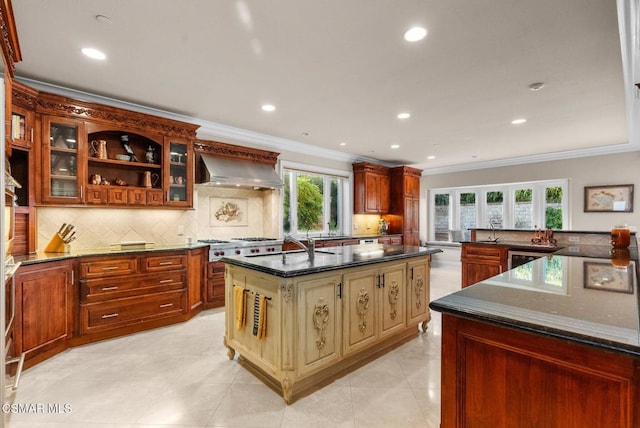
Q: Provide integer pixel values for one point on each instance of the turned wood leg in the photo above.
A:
(231, 353)
(424, 325)
(287, 390)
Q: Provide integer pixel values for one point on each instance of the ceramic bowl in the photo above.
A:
(123, 157)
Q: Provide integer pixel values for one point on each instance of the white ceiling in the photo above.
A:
(341, 71)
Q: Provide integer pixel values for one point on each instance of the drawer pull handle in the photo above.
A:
(164, 281)
(110, 316)
(110, 268)
(109, 288)
(166, 305)
(165, 263)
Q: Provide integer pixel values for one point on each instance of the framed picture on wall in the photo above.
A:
(616, 198)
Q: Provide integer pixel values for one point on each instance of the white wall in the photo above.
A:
(587, 171)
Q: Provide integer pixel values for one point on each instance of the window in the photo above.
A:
(314, 202)
(527, 206)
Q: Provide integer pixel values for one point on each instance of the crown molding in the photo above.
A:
(208, 129)
(546, 157)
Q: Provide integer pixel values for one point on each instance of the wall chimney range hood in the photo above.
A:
(226, 172)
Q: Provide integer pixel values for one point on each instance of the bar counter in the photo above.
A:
(552, 343)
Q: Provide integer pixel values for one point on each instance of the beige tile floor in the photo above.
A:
(180, 376)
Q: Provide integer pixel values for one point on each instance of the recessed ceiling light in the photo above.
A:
(343, 144)
(431, 157)
(536, 86)
(414, 34)
(395, 146)
(518, 121)
(268, 107)
(404, 115)
(94, 53)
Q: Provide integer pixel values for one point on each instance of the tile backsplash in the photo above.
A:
(101, 227)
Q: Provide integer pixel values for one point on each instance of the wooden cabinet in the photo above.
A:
(324, 324)
(493, 376)
(196, 263)
(371, 188)
(113, 181)
(482, 261)
(392, 240)
(340, 242)
(418, 292)
(319, 322)
(63, 160)
(178, 173)
(23, 166)
(44, 310)
(214, 292)
(374, 305)
(405, 204)
(91, 154)
(22, 118)
(126, 293)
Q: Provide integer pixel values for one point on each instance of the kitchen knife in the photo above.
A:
(62, 227)
(70, 238)
(66, 231)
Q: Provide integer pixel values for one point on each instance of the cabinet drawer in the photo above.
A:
(103, 289)
(215, 269)
(137, 196)
(483, 252)
(121, 312)
(117, 196)
(107, 268)
(96, 195)
(164, 262)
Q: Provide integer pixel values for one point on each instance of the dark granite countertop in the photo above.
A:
(327, 259)
(341, 237)
(516, 245)
(42, 257)
(583, 299)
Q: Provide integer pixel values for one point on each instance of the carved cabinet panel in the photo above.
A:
(374, 305)
(319, 322)
(418, 295)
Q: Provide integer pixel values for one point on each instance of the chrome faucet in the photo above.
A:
(493, 228)
(309, 248)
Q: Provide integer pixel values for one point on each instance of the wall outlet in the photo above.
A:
(180, 230)
(574, 239)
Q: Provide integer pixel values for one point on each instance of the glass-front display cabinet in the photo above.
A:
(62, 160)
(179, 162)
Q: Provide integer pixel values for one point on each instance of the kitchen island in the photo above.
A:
(552, 343)
(323, 318)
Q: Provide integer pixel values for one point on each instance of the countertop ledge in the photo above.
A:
(581, 298)
(42, 257)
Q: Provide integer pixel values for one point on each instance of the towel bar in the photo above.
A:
(246, 290)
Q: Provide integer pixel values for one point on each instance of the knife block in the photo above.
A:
(57, 245)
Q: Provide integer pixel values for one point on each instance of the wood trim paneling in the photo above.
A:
(236, 152)
(10, 45)
(117, 118)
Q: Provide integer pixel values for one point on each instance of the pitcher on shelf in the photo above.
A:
(99, 148)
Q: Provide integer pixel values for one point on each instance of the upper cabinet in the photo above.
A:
(371, 188)
(62, 162)
(405, 203)
(179, 173)
(104, 156)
